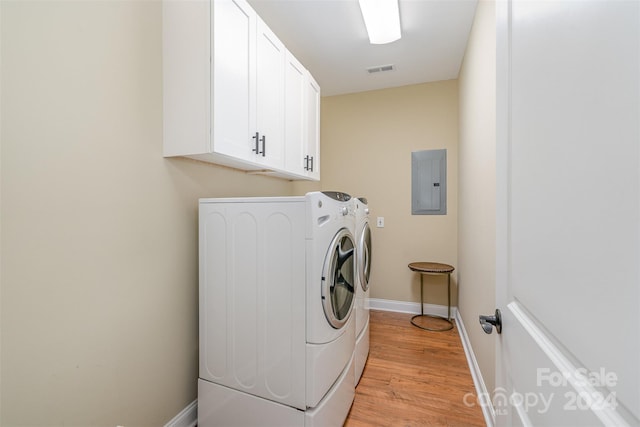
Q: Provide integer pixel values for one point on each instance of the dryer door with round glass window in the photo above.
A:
(338, 279)
(364, 256)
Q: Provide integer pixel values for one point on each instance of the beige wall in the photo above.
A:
(99, 232)
(477, 186)
(367, 140)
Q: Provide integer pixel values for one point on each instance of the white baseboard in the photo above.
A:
(188, 417)
(481, 388)
(410, 307)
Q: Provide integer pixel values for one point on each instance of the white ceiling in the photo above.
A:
(330, 39)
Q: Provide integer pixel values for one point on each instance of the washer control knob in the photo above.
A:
(345, 211)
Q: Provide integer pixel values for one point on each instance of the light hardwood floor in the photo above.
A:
(413, 377)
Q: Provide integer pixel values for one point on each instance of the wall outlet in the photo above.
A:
(380, 222)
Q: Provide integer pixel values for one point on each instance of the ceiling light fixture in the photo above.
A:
(382, 19)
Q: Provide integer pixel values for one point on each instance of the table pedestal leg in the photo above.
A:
(446, 319)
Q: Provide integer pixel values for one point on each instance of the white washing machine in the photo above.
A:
(363, 270)
(277, 289)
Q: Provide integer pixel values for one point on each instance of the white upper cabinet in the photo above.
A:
(270, 97)
(295, 117)
(313, 129)
(224, 92)
(302, 118)
(233, 78)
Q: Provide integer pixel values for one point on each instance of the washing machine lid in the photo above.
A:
(364, 256)
(338, 279)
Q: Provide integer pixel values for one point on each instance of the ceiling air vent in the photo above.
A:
(380, 68)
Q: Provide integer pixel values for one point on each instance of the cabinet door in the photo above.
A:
(296, 156)
(270, 58)
(313, 128)
(233, 78)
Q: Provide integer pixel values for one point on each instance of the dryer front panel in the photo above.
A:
(364, 256)
(338, 279)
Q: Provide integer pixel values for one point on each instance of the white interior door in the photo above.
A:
(568, 217)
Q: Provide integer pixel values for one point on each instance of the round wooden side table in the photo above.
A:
(433, 268)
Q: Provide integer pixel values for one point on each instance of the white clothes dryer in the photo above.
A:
(363, 270)
(277, 288)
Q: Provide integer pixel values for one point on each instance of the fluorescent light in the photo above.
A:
(382, 19)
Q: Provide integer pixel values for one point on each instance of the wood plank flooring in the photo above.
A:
(413, 377)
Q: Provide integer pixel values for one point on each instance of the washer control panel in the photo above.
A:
(336, 195)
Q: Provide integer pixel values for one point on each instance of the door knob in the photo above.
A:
(488, 322)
